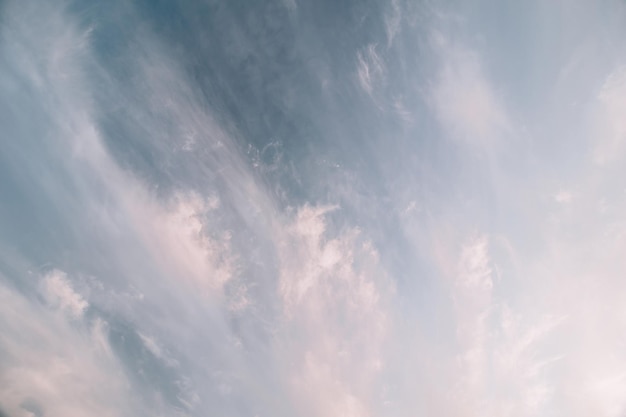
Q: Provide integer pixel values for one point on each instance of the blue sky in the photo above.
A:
(292, 208)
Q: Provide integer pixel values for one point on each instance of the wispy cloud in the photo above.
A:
(393, 21)
(334, 293)
(465, 101)
(59, 293)
(370, 68)
(151, 264)
(610, 132)
(46, 355)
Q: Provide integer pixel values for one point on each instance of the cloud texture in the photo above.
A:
(312, 208)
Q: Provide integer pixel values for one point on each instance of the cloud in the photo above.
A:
(59, 293)
(334, 293)
(393, 21)
(370, 69)
(463, 98)
(180, 244)
(157, 248)
(610, 127)
(498, 363)
(563, 197)
(473, 301)
(157, 350)
(47, 355)
(190, 288)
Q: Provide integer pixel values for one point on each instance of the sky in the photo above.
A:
(312, 208)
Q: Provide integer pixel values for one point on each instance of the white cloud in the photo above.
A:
(610, 392)
(334, 293)
(609, 134)
(370, 69)
(464, 100)
(180, 244)
(393, 21)
(46, 356)
(59, 293)
(150, 244)
(499, 363)
(563, 197)
(474, 270)
(472, 298)
(333, 335)
(172, 229)
(157, 350)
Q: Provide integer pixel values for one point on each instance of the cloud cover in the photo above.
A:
(311, 209)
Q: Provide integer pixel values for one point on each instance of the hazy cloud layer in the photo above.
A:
(312, 208)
